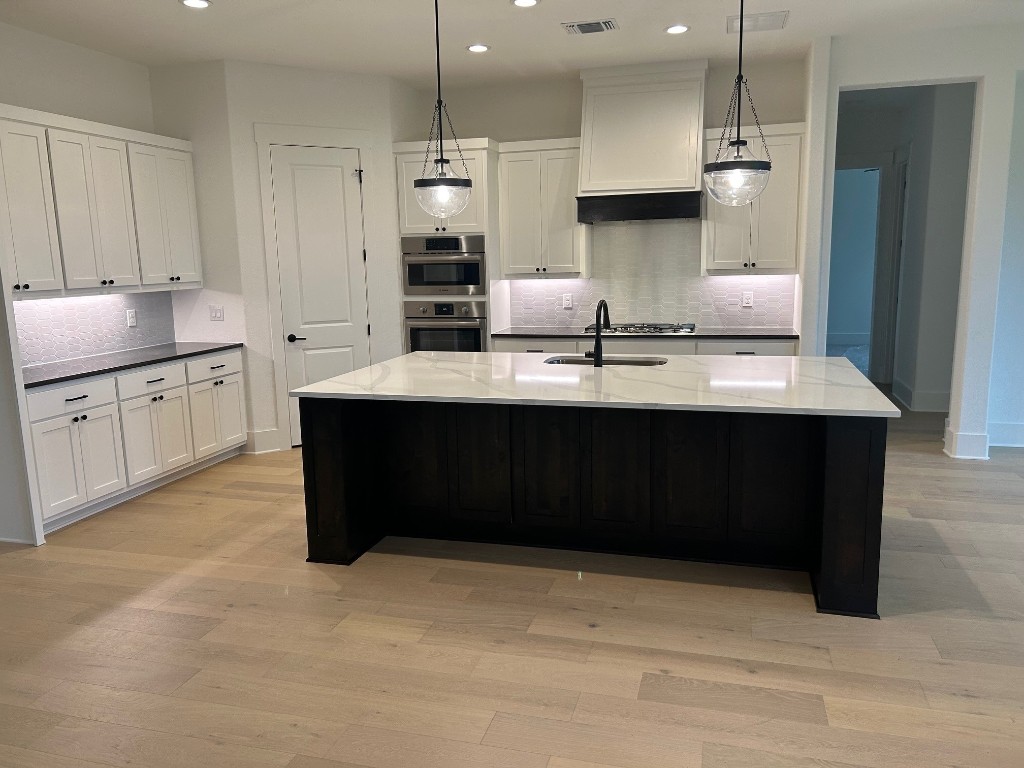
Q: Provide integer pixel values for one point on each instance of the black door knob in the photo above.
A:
(293, 338)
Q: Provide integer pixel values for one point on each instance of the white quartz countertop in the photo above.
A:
(828, 386)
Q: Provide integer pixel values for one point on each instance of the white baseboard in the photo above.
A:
(17, 541)
(848, 339)
(964, 445)
(1006, 435)
(102, 505)
(264, 441)
(920, 400)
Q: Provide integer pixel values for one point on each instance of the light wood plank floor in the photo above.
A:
(184, 629)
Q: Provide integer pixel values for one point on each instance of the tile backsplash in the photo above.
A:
(67, 328)
(650, 272)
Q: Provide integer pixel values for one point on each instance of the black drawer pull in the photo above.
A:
(746, 353)
(155, 381)
(535, 350)
(215, 367)
(74, 399)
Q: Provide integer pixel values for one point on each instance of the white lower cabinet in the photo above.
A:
(670, 346)
(746, 347)
(218, 415)
(157, 433)
(79, 458)
(533, 345)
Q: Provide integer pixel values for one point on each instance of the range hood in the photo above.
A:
(647, 206)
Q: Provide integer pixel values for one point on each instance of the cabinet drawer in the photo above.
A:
(670, 346)
(70, 398)
(746, 348)
(220, 364)
(148, 380)
(533, 345)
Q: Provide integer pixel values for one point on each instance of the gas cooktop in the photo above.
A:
(646, 328)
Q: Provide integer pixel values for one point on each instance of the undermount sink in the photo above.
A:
(581, 360)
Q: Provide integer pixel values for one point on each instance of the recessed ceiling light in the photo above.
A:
(196, 3)
(677, 29)
(524, 3)
(478, 48)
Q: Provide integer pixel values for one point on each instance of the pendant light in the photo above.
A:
(441, 192)
(737, 177)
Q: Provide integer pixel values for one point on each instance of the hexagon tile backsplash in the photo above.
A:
(68, 328)
(650, 272)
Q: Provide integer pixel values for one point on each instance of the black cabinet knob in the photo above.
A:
(25, 286)
(161, 397)
(437, 229)
(84, 416)
(17, 287)
(177, 278)
(75, 420)
(153, 398)
(171, 279)
(103, 282)
(293, 338)
(753, 263)
(745, 264)
(538, 269)
(110, 282)
(544, 270)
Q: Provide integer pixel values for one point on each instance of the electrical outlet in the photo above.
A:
(566, 301)
(133, 321)
(216, 313)
(748, 299)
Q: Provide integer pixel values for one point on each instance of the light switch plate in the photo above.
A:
(216, 313)
(748, 298)
(566, 301)
(133, 321)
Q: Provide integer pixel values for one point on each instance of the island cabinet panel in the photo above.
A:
(414, 453)
(616, 454)
(546, 467)
(845, 571)
(690, 481)
(479, 462)
(772, 493)
(344, 515)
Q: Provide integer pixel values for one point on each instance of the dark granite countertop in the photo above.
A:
(97, 365)
(551, 332)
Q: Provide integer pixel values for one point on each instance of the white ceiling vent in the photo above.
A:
(589, 27)
(757, 22)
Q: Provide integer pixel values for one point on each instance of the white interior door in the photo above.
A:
(319, 226)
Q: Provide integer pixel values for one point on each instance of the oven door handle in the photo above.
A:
(441, 322)
(442, 258)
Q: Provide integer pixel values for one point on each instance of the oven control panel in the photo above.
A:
(442, 309)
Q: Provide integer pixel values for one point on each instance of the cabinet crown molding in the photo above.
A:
(65, 123)
(647, 73)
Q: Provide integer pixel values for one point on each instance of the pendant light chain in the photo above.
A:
(456, 139)
(729, 119)
(430, 143)
(757, 122)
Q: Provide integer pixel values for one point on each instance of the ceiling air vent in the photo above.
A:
(757, 22)
(589, 27)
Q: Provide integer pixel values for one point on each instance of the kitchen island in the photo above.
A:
(771, 461)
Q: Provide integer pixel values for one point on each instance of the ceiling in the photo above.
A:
(395, 37)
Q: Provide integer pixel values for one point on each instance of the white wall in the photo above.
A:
(259, 93)
(990, 56)
(851, 284)
(1006, 404)
(40, 72)
(777, 86)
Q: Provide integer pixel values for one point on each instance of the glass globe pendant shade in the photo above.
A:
(445, 193)
(739, 178)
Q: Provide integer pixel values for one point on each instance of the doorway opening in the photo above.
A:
(899, 208)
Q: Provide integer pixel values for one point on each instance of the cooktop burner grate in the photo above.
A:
(648, 328)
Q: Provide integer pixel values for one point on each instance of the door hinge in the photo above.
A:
(359, 174)
(364, 254)
(367, 329)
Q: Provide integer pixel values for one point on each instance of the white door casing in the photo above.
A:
(319, 234)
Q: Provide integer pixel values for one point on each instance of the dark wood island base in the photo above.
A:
(784, 491)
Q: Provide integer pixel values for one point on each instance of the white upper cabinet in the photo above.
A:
(414, 220)
(539, 233)
(165, 215)
(95, 215)
(28, 222)
(642, 129)
(762, 236)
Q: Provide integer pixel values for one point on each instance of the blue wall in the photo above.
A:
(852, 264)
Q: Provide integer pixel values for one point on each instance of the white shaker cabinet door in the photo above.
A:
(76, 209)
(519, 185)
(141, 438)
(202, 400)
(778, 220)
(28, 221)
(165, 215)
(175, 428)
(413, 220)
(560, 173)
(59, 466)
(231, 411)
(102, 451)
(115, 213)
